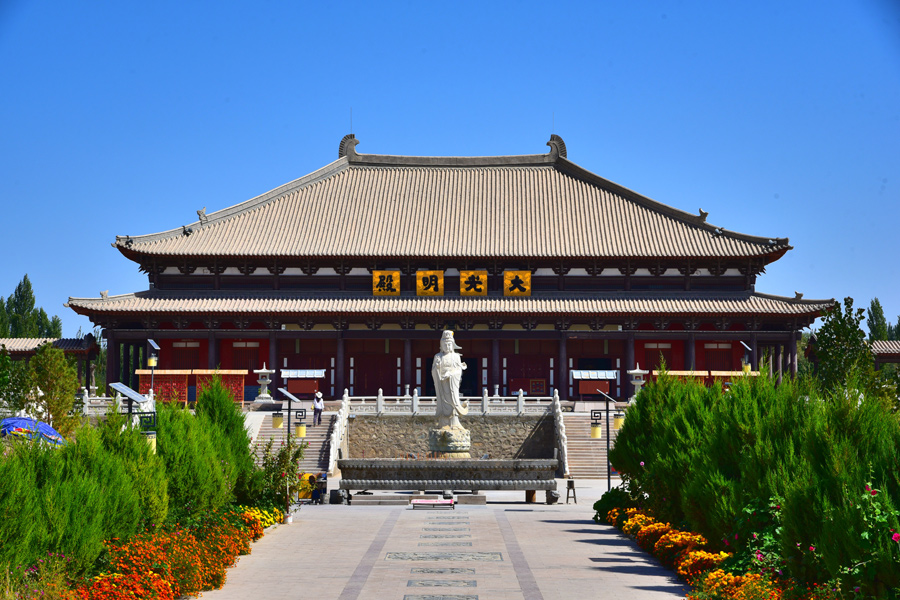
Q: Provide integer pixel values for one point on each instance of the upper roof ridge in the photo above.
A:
(513, 197)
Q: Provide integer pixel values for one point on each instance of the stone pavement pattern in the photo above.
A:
(506, 550)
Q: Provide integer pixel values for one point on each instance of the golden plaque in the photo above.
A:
(429, 283)
(385, 283)
(473, 283)
(516, 283)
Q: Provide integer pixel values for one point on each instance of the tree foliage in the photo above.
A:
(20, 318)
(876, 322)
(842, 346)
(57, 382)
(15, 383)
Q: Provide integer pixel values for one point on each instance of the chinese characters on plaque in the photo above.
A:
(429, 283)
(385, 283)
(471, 283)
(516, 283)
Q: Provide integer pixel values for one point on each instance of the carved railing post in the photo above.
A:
(485, 402)
(415, 402)
(339, 434)
(379, 402)
(561, 435)
(520, 403)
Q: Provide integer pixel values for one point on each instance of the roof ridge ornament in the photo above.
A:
(348, 146)
(202, 215)
(557, 145)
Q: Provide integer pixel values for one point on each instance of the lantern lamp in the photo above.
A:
(151, 439)
(596, 425)
(618, 420)
(277, 420)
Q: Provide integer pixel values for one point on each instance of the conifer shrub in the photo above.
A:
(198, 480)
(64, 500)
(219, 412)
(146, 469)
(823, 467)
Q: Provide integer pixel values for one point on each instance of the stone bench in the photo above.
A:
(429, 503)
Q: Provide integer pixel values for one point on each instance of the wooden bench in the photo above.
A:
(433, 504)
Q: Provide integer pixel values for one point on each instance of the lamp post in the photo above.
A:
(152, 360)
(300, 433)
(597, 432)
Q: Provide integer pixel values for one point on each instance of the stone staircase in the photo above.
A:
(587, 457)
(315, 457)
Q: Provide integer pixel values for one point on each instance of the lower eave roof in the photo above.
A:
(886, 348)
(31, 345)
(275, 302)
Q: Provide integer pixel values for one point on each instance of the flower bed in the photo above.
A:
(685, 553)
(169, 562)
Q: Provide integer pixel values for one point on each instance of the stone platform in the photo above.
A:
(453, 474)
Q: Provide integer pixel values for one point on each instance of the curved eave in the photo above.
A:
(611, 304)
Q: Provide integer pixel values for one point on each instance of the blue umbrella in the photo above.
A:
(30, 429)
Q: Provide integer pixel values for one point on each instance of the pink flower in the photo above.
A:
(874, 492)
(642, 463)
(867, 487)
(896, 537)
(812, 548)
(735, 536)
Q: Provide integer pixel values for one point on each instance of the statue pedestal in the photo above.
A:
(452, 443)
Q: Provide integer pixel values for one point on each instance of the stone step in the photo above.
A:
(318, 438)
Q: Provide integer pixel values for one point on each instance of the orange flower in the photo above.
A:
(671, 545)
(695, 563)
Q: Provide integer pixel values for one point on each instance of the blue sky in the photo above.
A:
(780, 119)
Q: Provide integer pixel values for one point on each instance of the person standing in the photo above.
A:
(318, 407)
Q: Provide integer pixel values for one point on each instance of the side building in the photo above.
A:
(542, 267)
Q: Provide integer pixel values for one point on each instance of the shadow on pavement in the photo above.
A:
(620, 560)
(570, 522)
(638, 569)
(671, 589)
(589, 531)
(608, 542)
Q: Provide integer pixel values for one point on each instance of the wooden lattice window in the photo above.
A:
(718, 356)
(245, 355)
(657, 354)
(186, 355)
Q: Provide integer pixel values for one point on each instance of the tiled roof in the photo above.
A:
(26, 345)
(885, 347)
(275, 302)
(540, 206)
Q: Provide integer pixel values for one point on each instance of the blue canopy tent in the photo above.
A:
(30, 429)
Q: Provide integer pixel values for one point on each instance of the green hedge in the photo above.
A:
(703, 456)
(67, 500)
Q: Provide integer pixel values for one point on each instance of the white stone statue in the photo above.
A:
(447, 373)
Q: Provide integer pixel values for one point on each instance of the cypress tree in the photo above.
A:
(878, 325)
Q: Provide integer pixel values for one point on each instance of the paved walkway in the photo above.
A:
(506, 550)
